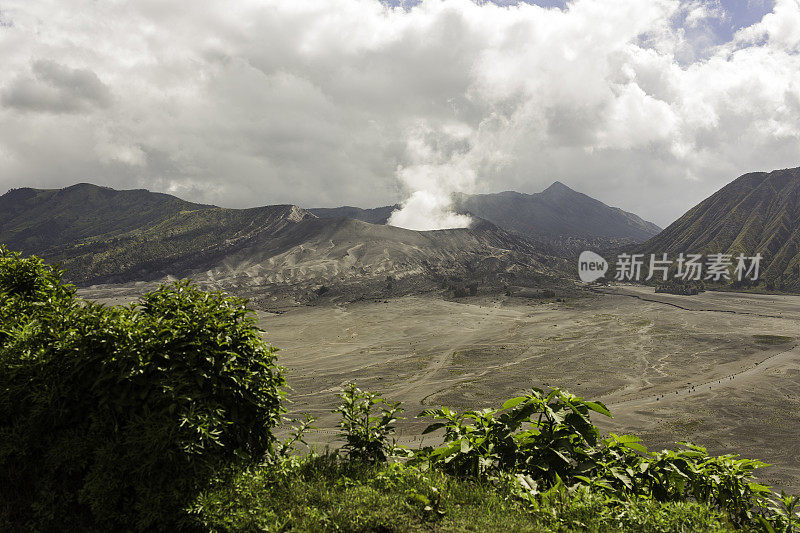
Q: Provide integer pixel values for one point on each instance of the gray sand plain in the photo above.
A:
(718, 369)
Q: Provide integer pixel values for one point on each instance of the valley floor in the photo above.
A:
(719, 369)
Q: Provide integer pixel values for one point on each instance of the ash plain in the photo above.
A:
(719, 369)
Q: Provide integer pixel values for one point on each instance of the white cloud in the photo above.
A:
(781, 28)
(697, 12)
(353, 102)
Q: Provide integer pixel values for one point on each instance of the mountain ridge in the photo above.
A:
(758, 212)
(101, 236)
(558, 211)
(375, 215)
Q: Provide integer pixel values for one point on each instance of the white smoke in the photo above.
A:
(426, 210)
(442, 162)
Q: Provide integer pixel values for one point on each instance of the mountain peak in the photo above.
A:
(757, 212)
(558, 210)
(84, 186)
(558, 187)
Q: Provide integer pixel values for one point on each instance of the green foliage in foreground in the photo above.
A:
(546, 444)
(536, 464)
(547, 440)
(114, 418)
(327, 493)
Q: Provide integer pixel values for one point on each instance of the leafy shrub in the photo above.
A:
(546, 443)
(782, 514)
(481, 443)
(367, 435)
(114, 417)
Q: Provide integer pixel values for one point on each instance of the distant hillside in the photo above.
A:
(104, 235)
(756, 213)
(557, 211)
(377, 215)
(100, 235)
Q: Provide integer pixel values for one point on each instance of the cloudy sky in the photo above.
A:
(650, 105)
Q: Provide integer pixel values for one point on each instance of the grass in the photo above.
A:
(772, 339)
(325, 493)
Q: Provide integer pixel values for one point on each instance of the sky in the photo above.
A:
(649, 105)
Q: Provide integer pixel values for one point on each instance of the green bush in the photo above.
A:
(367, 435)
(542, 435)
(545, 444)
(115, 417)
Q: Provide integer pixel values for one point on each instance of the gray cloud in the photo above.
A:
(55, 88)
(353, 102)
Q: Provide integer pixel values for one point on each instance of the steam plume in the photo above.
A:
(442, 162)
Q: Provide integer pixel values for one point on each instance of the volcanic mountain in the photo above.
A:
(358, 258)
(557, 213)
(756, 213)
(101, 235)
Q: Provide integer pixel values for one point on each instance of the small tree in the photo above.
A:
(367, 434)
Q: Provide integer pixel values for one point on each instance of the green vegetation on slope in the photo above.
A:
(756, 213)
(536, 464)
(102, 235)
